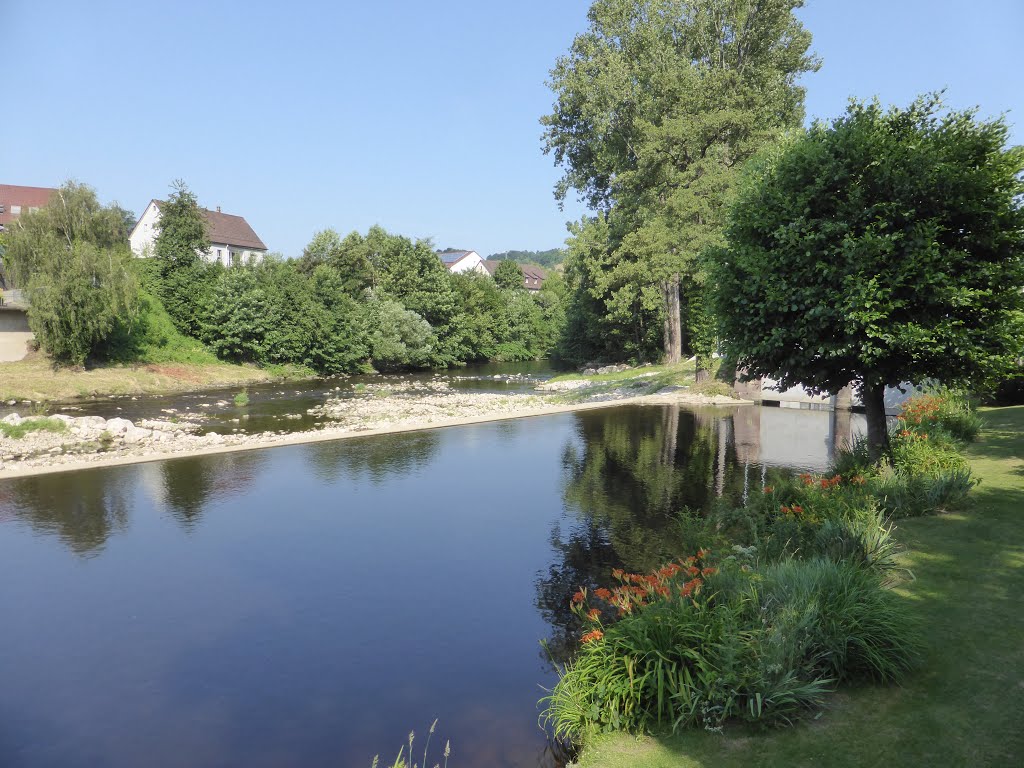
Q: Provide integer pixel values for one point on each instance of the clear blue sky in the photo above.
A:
(419, 116)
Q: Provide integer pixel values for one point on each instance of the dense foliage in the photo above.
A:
(657, 106)
(547, 259)
(883, 248)
(179, 246)
(784, 597)
(73, 260)
(350, 303)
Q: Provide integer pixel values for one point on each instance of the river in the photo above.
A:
(310, 605)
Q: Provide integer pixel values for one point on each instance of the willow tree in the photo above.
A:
(73, 259)
(885, 247)
(657, 105)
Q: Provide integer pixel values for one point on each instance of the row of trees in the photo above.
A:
(883, 248)
(347, 304)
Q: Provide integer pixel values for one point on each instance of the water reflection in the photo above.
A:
(82, 509)
(308, 605)
(376, 458)
(629, 472)
(188, 484)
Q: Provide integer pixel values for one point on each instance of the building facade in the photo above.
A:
(16, 200)
(462, 261)
(232, 240)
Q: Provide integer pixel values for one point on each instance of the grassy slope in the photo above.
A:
(966, 704)
(670, 374)
(34, 378)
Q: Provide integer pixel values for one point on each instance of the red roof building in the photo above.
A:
(15, 200)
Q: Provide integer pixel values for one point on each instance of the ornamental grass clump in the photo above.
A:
(699, 644)
(809, 516)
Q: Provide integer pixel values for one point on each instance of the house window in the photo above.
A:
(236, 258)
(15, 210)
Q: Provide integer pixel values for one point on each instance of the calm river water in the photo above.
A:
(309, 605)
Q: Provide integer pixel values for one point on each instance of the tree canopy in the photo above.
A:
(180, 243)
(73, 259)
(657, 105)
(509, 275)
(885, 247)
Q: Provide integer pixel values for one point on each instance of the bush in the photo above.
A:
(25, 426)
(151, 337)
(398, 338)
(946, 410)
(695, 645)
(925, 472)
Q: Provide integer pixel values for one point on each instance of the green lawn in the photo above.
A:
(671, 374)
(965, 706)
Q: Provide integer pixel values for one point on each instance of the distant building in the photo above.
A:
(232, 240)
(462, 261)
(533, 277)
(15, 200)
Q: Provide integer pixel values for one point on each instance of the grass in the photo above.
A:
(242, 398)
(35, 378)
(964, 705)
(675, 374)
(635, 381)
(32, 425)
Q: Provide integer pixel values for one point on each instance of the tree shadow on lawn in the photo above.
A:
(960, 707)
(1002, 437)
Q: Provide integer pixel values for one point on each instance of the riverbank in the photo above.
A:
(34, 379)
(91, 441)
(964, 705)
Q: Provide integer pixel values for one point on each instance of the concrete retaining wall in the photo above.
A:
(14, 335)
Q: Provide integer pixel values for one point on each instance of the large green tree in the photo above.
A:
(657, 105)
(885, 247)
(73, 259)
(509, 275)
(180, 243)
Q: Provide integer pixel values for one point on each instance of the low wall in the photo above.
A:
(14, 335)
(798, 397)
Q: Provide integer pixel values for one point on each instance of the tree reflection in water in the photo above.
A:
(378, 457)
(626, 478)
(83, 509)
(188, 484)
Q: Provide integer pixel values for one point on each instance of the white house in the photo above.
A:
(232, 240)
(463, 261)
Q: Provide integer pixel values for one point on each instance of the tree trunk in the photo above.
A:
(673, 323)
(873, 396)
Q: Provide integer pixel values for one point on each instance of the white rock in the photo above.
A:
(136, 434)
(119, 426)
(69, 420)
(12, 419)
(91, 422)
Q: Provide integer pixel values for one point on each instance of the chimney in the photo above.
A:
(218, 209)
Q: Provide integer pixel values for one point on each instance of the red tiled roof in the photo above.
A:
(26, 197)
(228, 229)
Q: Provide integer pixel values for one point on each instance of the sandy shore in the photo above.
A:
(187, 445)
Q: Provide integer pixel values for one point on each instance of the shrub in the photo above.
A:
(945, 409)
(242, 398)
(152, 337)
(26, 426)
(78, 294)
(694, 645)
